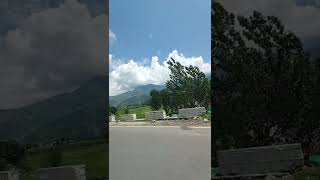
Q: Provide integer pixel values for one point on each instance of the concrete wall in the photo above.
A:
(76, 172)
(260, 160)
(9, 175)
(112, 118)
(191, 112)
(128, 117)
(155, 115)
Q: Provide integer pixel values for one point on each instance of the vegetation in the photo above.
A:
(92, 153)
(79, 114)
(138, 96)
(310, 173)
(138, 110)
(12, 154)
(265, 85)
(112, 110)
(54, 157)
(187, 87)
(126, 110)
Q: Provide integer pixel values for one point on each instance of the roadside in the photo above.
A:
(181, 123)
(93, 154)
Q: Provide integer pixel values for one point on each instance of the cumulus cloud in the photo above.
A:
(51, 52)
(112, 37)
(302, 20)
(124, 77)
(315, 3)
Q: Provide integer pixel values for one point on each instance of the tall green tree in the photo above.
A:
(156, 100)
(112, 110)
(11, 153)
(3, 164)
(261, 82)
(187, 87)
(166, 100)
(126, 110)
(54, 157)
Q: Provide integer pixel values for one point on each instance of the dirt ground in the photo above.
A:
(183, 123)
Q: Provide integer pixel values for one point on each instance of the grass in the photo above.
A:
(138, 110)
(310, 173)
(207, 116)
(93, 154)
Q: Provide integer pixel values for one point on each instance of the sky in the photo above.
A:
(144, 33)
(299, 16)
(57, 49)
(51, 51)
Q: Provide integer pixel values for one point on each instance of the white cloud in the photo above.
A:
(124, 77)
(112, 37)
(302, 20)
(52, 52)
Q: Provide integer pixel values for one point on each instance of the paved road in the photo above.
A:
(159, 153)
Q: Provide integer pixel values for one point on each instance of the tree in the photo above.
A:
(166, 101)
(261, 81)
(187, 87)
(14, 152)
(3, 164)
(112, 110)
(126, 110)
(11, 154)
(156, 100)
(55, 157)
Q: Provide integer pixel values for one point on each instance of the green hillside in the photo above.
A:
(79, 115)
(138, 110)
(138, 96)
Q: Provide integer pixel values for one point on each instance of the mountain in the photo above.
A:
(138, 96)
(78, 115)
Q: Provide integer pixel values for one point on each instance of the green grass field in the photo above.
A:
(93, 154)
(310, 173)
(138, 110)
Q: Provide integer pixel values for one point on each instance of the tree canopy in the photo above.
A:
(187, 87)
(263, 83)
(11, 154)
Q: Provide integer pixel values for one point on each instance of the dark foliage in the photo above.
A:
(265, 88)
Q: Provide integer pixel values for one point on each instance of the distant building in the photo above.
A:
(112, 118)
(155, 115)
(9, 175)
(76, 172)
(191, 112)
(128, 117)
